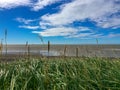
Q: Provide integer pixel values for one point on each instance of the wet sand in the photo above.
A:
(58, 50)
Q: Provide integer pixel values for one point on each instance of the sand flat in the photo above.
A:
(83, 50)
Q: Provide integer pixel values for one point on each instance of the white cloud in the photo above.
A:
(80, 10)
(81, 35)
(113, 22)
(103, 12)
(69, 32)
(83, 28)
(42, 3)
(59, 31)
(29, 27)
(113, 35)
(8, 4)
(25, 21)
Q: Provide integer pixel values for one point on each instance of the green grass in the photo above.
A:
(61, 74)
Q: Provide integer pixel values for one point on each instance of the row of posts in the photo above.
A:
(65, 50)
(28, 49)
(48, 49)
(48, 46)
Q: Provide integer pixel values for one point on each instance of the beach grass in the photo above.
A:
(61, 74)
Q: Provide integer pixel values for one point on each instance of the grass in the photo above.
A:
(61, 74)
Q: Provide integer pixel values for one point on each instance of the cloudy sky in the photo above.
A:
(60, 21)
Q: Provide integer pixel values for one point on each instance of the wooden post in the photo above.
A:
(26, 49)
(28, 52)
(48, 48)
(65, 49)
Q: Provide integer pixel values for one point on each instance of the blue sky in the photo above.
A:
(60, 21)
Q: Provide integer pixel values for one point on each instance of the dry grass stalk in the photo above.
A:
(26, 46)
(97, 41)
(6, 40)
(65, 49)
(41, 38)
(26, 43)
(28, 50)
(97, 47)
(1, 47)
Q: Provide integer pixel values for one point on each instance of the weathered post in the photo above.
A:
(28, 52)
(65, 49)
(48, 48)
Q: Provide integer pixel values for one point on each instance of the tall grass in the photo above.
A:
(61, 74)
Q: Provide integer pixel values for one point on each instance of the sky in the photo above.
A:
(60, 21)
